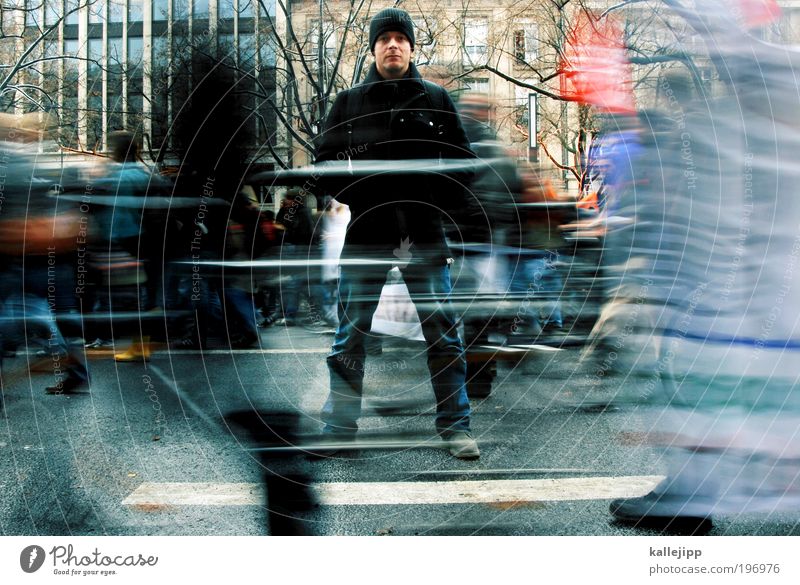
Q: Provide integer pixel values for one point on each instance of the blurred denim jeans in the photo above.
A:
(359, 293)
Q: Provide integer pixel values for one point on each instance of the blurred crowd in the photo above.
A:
(111, 253)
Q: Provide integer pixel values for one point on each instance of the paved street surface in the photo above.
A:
(178, 446)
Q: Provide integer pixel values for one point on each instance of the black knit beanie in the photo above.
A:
(391, 19)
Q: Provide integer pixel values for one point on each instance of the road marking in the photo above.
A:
(166, 352)
(247, 351)
(402, 493)
(183, 397)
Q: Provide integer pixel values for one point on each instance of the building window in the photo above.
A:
(160, 10)
(226, 9)
(69, 97)
(227, 46)
(94, 90)
(200, 8)
(52, 12)
(72, 7)
(521, 102)
(180, 10)
(135, 51)
(32, 15)
(476, 36)
(95, 56)
(266, 8)
(116, 8)
(266, 54)
(247, 51)
(135, 11)
(427, 34)
(476, 85)
(328, 38)
(9, 15)
(246, 8)
(115, 54)
(97, 12)
(526, 43)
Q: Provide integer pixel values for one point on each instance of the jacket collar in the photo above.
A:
(373, 79)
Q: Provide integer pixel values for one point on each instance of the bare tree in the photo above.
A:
(655, 38)
(41, 71)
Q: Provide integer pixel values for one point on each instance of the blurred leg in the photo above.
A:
(359, 292)
(446, 360)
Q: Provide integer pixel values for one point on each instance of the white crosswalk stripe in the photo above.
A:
(402, 493)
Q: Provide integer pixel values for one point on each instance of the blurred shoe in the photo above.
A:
(243, 341)
(286, 322)
(318, 326)
(552, 328)
(139, 351)
(269, 320)
(663, 512)
(462, 445)
(66, 386)
(185, 343)
(99, 344)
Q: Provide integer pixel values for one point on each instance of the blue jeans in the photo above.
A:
(540, 280)
(359, 293)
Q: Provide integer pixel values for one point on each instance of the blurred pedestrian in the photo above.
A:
(492, 257)
(300, 242)
(334, 227)
(38, 246)
(707, 303)
(124, 243)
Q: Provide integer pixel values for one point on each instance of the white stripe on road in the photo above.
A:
(183, 397)
(403, 493)
(158, 353)
(245, 351)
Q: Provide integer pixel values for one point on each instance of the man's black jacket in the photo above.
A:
(391, 120)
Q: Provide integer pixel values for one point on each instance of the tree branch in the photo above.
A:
(513, 80)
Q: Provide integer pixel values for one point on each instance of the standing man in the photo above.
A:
(397, 220)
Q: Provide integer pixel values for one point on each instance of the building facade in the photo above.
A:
(105, 65)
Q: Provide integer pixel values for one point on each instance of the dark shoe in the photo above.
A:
(269, 320)
(662, 512)
(462, 446)
(244, 341)
(185, 343)
(66, 386)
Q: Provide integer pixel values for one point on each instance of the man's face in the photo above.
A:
(392, 54)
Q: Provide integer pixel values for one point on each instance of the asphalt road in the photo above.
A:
(176, 447)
